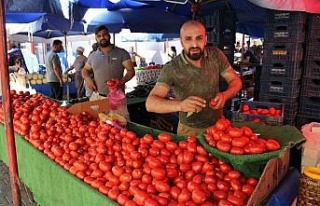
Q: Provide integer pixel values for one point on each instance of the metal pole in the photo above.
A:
(11, 147)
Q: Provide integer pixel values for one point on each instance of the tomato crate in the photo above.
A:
(282, 32)
(280, 86)
(287, 51)
(310, 87)
(292, 70)
(312, 67)
(253, 165)
(289, 17)
(239, 116)
(290, 104)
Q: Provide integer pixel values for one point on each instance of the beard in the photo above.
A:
(104, 42)
(195, 55)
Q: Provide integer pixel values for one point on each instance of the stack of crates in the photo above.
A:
(283, 51)
(309, 110)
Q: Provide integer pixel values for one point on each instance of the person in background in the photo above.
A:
(173, 52)
(19, 72)
(194, 76)
(78, 65)
(89, 91)
(134, 56)
(54, 70)
(17, 66)
(108, 62)
(237, 47)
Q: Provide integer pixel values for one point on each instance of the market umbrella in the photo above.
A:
(148, 20)
(249, 16)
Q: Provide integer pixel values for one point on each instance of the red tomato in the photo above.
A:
(256, 149)
(223, 146)
(235, 184)
(222, 124)
(122, 199)
(252, 181)
(140, 197)
(248, 189)
(222, 185)
(175, 192)
(245, 107)
(235, 132)
(184, 196)
(151, 202)
(234, 174)
(158, 173)
(237, 151)
(213, 102)
(235, 200)
(273, 145)
(219, 195)
(111, 83)
(198, 196)
(162, 186)
(164, 137)
(240, 142)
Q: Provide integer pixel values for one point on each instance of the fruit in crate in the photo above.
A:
(245, 109)
(238, 141)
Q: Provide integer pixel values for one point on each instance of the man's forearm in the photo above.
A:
(128, 76)
(58, 73)
(234, 87)
(162, 105)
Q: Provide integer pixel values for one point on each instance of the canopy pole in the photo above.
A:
(11, 147)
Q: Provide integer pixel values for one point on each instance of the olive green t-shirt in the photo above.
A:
(187, 80)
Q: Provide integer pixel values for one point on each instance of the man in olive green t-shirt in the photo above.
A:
(194, 76)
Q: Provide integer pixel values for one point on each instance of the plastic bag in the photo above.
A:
(116, 98)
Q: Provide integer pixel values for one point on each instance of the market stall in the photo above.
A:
(63, 184)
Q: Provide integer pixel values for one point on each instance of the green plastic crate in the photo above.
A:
(253, 165)
(141, 130)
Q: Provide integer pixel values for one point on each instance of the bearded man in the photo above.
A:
(107, 62)
(194, 77)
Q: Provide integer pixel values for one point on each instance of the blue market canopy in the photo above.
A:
(148, 20)
(250, 14)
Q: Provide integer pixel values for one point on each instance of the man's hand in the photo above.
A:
(219, 101)
(192, 104)
(91, 84)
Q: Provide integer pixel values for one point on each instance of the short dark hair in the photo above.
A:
(56, 42)
(100, 28)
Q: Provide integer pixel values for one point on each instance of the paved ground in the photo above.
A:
(5, 191)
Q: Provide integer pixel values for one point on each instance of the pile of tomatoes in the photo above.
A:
(128, 169)
(238, 141)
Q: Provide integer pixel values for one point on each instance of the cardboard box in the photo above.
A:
(92, 107)
(273, 173)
